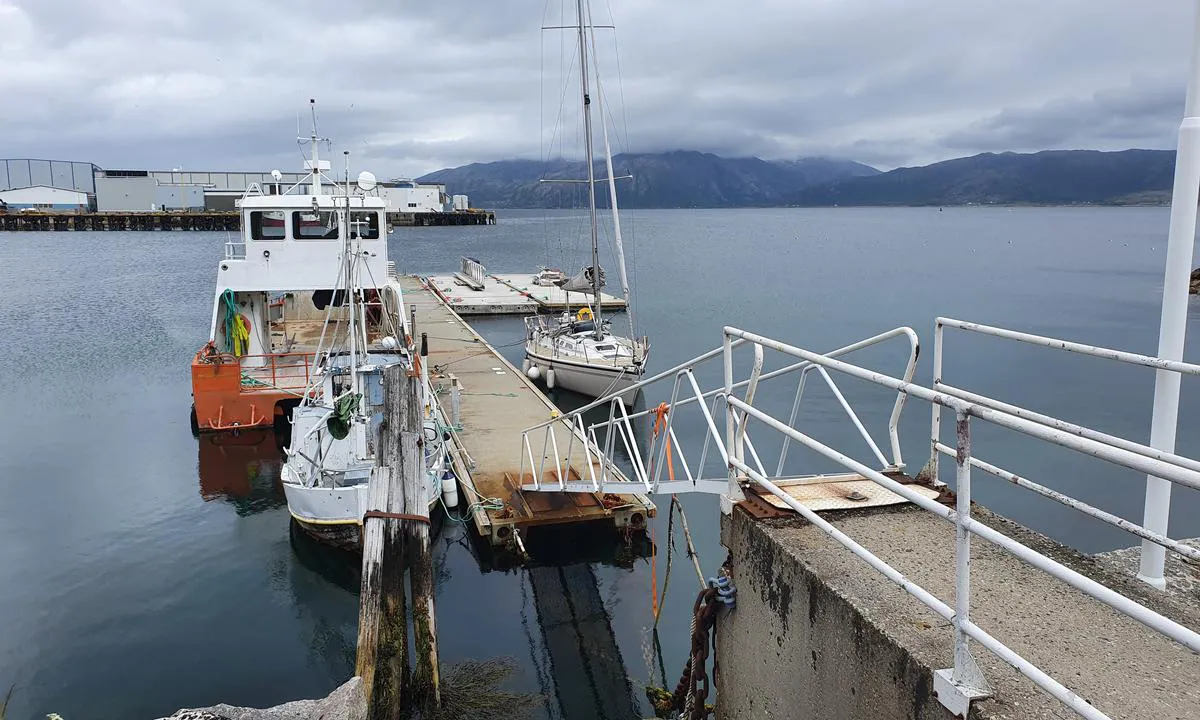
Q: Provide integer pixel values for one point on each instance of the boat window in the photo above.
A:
(320, 225)
(364, 225)
(606, 348)
(266, 225)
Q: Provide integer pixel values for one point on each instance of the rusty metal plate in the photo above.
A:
(844, 495)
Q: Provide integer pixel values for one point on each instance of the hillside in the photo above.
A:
(672, 179)
(1053, 177)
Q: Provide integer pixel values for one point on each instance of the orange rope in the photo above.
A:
(660, 424)
(653, 575)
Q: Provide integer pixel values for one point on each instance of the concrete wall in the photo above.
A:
(126, 194)
(818, 633)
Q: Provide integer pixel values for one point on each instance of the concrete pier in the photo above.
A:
(817, 633)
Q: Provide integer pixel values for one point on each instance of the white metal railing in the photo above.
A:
(955, 686)
(647, 471)
(1153, 539)
(235, 250)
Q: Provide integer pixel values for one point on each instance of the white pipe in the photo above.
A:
(1072, 428)
(1081, 348)
(1173, 327)
(962, 549)
(1079, 505)
(1126, 458)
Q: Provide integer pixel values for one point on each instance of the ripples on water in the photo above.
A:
(142, 569)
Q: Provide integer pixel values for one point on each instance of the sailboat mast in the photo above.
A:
(591, 172)
(612, 185)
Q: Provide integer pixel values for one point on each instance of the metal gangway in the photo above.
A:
(722, 459)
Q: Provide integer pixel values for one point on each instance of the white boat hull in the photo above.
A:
(591, 380)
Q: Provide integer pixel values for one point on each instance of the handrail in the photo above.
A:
(956, 686)
(1157, 505)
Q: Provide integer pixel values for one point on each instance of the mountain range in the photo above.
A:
(684, 178)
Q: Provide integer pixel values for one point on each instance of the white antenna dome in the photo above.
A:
(366, 181)
(276, 175)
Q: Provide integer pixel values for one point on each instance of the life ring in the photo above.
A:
(583, 314)
(244, 319)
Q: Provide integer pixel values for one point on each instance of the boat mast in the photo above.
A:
(352, 330)
(316, 165)
(591, 172)
(612, 184)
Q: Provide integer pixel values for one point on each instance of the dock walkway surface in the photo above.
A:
(497, 403)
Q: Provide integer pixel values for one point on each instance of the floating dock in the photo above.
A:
(497, 402)
(510, 294)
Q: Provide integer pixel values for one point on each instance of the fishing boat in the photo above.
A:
(335, 428)
(579, 351)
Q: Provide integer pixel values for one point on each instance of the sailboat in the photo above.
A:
(335, 427)
(579, 351)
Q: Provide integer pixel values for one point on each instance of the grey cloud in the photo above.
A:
(410, 87)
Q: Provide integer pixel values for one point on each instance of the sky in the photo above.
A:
(412, 87)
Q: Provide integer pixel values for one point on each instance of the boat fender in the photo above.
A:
(533, 372)
(525, 366)
(449, 489)
(550, 378)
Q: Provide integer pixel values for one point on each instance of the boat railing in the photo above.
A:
(235, 250)
(273, 372)
(745, 406)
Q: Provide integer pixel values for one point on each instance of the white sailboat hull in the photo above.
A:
(588, 379)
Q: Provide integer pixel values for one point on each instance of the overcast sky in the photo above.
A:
(412, 87)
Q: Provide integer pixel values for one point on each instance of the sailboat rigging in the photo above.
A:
(579, 352)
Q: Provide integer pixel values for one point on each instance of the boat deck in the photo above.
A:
(512, 294)
(497, 403)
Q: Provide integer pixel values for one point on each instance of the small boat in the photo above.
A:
(549, 277)
(580, 351)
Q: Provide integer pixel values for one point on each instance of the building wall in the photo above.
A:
(65, 174)
(422, 198)
(48, 198)
(179, 197)
(126, 194)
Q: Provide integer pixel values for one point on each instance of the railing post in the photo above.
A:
(956, 687)
(455, 401)
(1173, 325)
(929, 473)
(734, 493)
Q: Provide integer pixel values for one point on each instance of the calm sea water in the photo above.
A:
(142, 570)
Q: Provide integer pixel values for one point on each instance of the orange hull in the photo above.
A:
(230, 394)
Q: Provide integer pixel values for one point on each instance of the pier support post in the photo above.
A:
(396, 539)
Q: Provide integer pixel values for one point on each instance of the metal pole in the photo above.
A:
(1173, 327)
(734, 493)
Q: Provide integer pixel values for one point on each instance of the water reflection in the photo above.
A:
(242, 468)
(578, 653)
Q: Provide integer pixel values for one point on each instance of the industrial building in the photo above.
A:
(41, 197)
(59, 185)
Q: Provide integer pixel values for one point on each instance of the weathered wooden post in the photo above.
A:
(395, 539)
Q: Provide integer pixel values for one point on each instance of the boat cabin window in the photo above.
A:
(320, 225)
(266, 225)
(606, 348)
(364, 225)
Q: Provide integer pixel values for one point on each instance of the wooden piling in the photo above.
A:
(396, 539)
